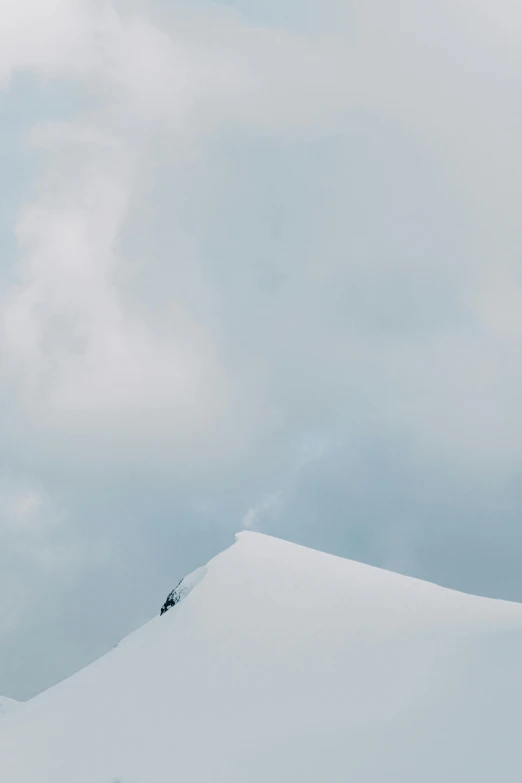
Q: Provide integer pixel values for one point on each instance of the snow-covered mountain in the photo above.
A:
(284, 665)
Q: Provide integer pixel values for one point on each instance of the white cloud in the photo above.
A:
(51, 37)
(74, 341)
(449, 74)
(81, 351)
(73, 338)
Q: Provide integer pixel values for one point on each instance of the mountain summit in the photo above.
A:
(285, 665)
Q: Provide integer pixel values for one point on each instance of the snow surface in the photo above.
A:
(286, 665)
(6, 705)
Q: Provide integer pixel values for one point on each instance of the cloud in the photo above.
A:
(74, 340)
(77, 340)
(48, 38)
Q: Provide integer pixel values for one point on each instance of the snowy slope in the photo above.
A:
(6, 705)
(286, 665)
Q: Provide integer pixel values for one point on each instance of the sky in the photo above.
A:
(260, 268)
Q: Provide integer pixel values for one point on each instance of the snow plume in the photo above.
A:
(267, 509)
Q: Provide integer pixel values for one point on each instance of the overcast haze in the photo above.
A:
(260, 267)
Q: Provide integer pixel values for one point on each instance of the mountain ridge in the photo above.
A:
(282, 663)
